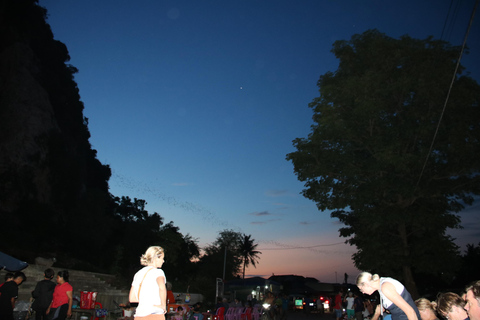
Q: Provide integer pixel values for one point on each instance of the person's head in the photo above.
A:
(63, 276)
(350, 293)
(9, 276)
(19, 277)
(426, 308)
(472, 300)
(451, 306)
(154, 256)
(49, 274)
(368, 283)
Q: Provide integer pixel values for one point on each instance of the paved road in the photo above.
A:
(300, 315)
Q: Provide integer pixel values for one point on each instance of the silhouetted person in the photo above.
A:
(43, 295)
(8, 294)
(8, 277)
(196, 311)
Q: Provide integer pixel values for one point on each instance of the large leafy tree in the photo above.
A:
(222, 256)
(248, 252)
(135, 229)
(374, 123)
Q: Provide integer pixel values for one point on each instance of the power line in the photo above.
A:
(450, 21)
(449, 91)
(307, 247)
(446, 19)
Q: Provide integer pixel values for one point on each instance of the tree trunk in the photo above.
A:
(408, 280)
(244, 268)
(409, 283)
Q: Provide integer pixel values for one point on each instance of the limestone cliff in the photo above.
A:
(49, 173)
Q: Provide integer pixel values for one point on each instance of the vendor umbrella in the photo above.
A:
(10, 263)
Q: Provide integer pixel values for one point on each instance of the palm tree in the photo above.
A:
(248, 252)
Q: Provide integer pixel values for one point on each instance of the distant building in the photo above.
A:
(255, 286)
(293, 285)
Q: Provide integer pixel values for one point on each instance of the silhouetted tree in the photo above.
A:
(374, 122)
(247, 251)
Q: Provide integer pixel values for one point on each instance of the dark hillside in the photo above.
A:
(52, 186)
(54, 195)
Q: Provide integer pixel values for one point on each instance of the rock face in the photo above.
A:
(26, 121)
(49, 173)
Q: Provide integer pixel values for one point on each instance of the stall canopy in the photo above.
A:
(10, 263)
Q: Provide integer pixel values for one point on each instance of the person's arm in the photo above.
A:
(162, 291)
(35, 293)
(376, 314)
(48, 309)
(132, 296)
(70, 302)
(389, 291)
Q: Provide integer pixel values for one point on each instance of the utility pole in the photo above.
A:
(224, 262)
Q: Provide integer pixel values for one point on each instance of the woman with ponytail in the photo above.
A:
(427, 309)
(393, 296)
(148, 286)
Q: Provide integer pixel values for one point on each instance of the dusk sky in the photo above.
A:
(194, 105)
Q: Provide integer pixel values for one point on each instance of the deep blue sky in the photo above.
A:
(194, 105)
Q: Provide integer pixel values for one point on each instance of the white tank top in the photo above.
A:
(398, 287)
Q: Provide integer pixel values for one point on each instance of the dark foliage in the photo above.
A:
(374, 122)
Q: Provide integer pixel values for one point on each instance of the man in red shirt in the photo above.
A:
(337, 306)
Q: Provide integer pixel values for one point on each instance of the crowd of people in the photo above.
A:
(51, 302)
(149, 291)
(396, 303)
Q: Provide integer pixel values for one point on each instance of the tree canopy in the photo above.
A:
(374, 122)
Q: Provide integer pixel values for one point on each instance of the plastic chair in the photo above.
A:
(247, 314)
(99, 311)
(255, 314)
(219, 315)
(238, 313)
(230, 315)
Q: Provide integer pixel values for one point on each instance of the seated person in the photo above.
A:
(196, 311)
(180, 311)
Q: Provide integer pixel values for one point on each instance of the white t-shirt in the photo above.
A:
(350, 301)
(149, 292)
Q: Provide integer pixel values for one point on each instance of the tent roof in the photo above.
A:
(10, 263)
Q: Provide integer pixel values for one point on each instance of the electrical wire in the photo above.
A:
(446, 19)
(448, 94)
(448, 32)
(309, 247)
